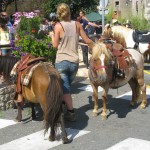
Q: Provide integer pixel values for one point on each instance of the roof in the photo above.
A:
(93, 16)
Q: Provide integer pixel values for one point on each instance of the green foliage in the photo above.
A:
(75, 6)
(109, 16)
(139, 23)
(28, 25)
(29, 41)
(122, 20)
(1, 114)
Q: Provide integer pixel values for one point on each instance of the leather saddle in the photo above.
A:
(141, 36)
(23, 67)
(121, 55)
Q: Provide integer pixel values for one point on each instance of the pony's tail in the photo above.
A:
(54, 98)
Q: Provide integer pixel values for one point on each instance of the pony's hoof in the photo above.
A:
(33, 117)
(138, 101)
(51, 138)
(104, 117)
(17, 120)
(65, 140)
(142, 106)
(132, 104)
(95, 114)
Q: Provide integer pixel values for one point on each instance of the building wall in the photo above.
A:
(147, 10)
(122, 6)
(131, 7)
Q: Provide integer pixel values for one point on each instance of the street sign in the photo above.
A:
(101, 4)
(106, 11)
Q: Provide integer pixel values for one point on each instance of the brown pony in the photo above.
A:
(45, 89)
(101, 73)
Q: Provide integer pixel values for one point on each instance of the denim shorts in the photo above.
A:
(68, 71)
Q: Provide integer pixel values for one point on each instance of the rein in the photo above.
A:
(100, 67)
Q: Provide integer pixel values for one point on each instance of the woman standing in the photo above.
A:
(66, 38)
(4, 35)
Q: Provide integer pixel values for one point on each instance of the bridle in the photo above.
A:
(98, 67)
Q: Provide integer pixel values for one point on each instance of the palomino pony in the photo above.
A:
(44, 88)
(102, 73)
(129, 38)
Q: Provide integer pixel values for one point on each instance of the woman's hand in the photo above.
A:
(51, 34)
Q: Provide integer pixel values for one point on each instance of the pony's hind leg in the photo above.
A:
(135, 91)
(144, 99)
(142, 87)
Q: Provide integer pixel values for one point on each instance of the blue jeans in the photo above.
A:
(68, 71)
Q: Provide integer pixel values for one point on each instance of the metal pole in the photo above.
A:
(16, 8)
(103, 14)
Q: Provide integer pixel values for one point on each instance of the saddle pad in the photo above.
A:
(25, 78)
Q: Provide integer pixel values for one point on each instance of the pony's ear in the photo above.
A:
(108, 26)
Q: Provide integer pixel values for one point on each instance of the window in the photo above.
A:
(117, 3)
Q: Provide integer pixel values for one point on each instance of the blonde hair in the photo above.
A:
(63, 11)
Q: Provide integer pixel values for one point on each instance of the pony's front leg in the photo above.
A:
(95, 96)
(104, 101)
(19, 115)
(144, 99)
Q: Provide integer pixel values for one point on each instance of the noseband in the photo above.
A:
(96, 67)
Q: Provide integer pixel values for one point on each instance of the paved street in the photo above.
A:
(126, 128)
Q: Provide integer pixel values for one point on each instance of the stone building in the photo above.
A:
(127, 8)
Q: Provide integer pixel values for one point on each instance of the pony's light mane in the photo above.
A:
(100, 48)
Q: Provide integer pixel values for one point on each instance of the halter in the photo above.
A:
(93, 69)
(97, 67)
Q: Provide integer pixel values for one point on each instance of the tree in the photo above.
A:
(50, 6)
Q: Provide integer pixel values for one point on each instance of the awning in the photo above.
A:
(94, 17)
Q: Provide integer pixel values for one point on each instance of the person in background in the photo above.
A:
(128, 24)
(44, 25)
(4, 35)
(87, 23)
(87, 27)
(53, 21)
(12, 19)
(66, 39)
(5, 49)
(98, 30)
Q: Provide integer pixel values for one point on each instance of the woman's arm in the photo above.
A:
(94, 24)
(55, 36)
